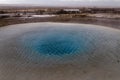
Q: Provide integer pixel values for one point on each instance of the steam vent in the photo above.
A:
(36, 46)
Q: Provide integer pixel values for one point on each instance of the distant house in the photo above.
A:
(72, 10)
(69, 11)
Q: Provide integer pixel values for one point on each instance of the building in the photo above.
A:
(72, 10)
(69, 11)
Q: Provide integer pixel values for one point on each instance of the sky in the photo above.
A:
(73, 3)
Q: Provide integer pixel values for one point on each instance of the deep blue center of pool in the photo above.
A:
(56, 42)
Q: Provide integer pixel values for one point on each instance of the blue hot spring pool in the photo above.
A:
(57, 43)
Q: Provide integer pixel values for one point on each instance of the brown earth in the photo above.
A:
(109, 22)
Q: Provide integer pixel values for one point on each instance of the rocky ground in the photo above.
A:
(110, 21)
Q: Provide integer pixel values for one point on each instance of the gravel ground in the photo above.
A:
(109, 22)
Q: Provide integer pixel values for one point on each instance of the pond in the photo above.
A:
(50, 44)
(57, 41)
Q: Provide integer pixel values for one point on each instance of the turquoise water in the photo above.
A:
(55, 44)
(59, 51)
(56, 41)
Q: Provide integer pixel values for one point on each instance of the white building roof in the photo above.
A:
(71, 9)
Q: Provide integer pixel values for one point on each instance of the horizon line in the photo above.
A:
(39, 5)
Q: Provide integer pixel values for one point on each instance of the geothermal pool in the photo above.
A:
(47, 45)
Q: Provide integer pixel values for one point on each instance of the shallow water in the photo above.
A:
(28, 48)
